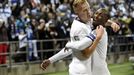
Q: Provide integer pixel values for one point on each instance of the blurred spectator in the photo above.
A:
(55, 4)
(44, 12)
(63, 31)
(34, 3)
(64, 10)
(21, 54)
(12, 34)
(52, 19)
(22, 20)
(34, 24)
(45, 34)
(15, 6)
(32, 47)
(5, 12)
(29, 33)
(3, 40)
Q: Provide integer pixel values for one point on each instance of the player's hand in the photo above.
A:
(114, 26)
(99, 32)
(45, 64)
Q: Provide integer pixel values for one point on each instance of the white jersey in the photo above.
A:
(79, 65)
(99, 64)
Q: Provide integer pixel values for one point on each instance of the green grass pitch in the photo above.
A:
(115, 69)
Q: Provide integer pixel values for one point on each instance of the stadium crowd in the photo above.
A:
(32, 20)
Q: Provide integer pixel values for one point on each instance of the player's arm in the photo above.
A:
(115, 26)
(88, 51)
(81, 44)
(85, 42)
(60, 55)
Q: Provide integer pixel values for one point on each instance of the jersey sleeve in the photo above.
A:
(83, 43)
(60, 55)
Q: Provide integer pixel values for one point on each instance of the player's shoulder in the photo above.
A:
(77, 23)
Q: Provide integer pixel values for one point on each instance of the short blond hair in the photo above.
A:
(77, 4)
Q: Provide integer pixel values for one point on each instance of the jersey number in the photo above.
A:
(76, 38)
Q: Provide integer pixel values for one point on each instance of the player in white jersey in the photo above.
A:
(78, 58)
(99, 56)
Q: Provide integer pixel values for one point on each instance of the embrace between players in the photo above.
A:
(89, 41)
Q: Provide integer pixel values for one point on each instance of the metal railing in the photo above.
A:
(117, 45)
(56, 45)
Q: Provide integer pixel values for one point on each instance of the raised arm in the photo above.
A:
(114, 25)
